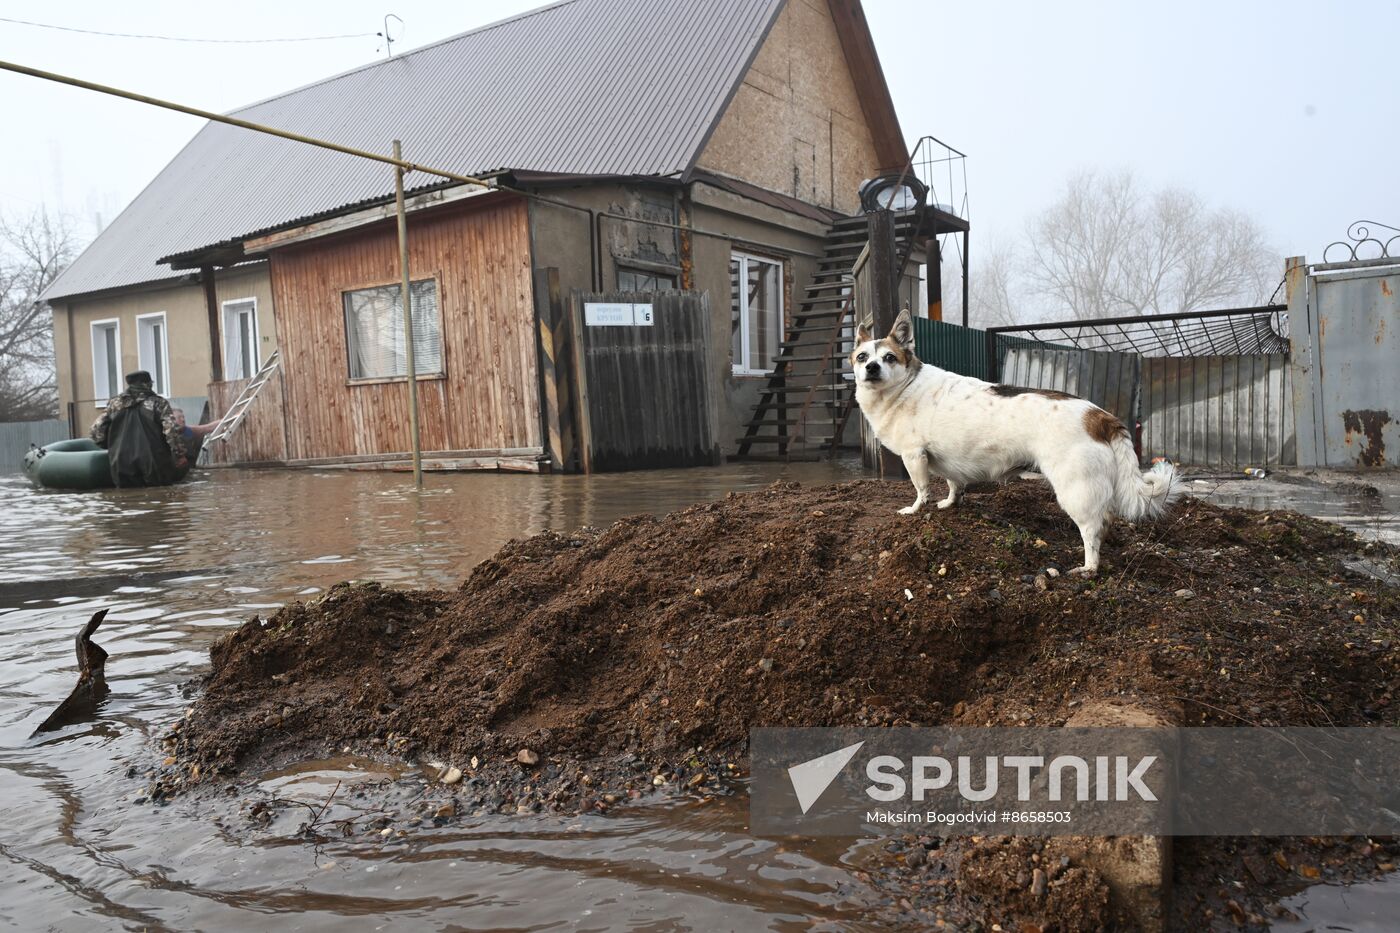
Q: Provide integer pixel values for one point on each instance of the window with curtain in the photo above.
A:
(374, 331)
(756, 302)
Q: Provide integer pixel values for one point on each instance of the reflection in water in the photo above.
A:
(177, 566)
(1361, 908)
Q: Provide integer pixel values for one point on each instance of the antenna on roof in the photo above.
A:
(388, 39)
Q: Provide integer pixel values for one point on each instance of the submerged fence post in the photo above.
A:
(406, 299)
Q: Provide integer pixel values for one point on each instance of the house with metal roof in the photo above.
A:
(699, 147)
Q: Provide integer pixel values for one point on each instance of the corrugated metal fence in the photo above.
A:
(17, 436)
(1231, 412)
(961, 350)
(1109, 380)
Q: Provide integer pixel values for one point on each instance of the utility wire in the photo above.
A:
(132, 35)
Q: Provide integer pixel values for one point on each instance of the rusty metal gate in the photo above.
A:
(1348, 337)
(642, 382)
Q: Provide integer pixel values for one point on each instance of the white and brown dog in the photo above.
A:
(968, 431)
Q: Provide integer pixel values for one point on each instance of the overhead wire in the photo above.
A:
(135, 35)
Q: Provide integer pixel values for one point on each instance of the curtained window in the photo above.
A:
(374, 331)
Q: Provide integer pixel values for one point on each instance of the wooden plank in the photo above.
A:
(550, 323)
(373, 215)
(580, 374)
(459, 465)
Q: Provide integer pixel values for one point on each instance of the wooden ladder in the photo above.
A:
(232, 418)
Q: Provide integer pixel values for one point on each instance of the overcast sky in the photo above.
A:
(1285, 110)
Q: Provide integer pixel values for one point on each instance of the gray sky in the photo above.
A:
(1285, 110)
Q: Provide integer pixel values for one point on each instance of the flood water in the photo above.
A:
(178, 566)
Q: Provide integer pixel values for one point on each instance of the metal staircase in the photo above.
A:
(232, 418)
(803, 410)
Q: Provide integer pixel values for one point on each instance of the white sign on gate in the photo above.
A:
(616, 314)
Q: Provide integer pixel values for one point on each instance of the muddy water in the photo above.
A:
(178, 566)
(1372, 512)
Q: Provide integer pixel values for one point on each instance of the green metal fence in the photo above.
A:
(958, 349)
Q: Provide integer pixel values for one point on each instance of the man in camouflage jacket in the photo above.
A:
(143, 442)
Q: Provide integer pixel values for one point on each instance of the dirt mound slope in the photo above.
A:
(815, 606)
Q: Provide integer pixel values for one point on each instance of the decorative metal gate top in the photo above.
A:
(1360, 242)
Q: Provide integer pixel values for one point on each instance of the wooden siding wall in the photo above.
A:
(489, 398)
(260, 437)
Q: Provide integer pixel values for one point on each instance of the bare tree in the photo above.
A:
(996, 289)
(1105, 249)
(33, 250)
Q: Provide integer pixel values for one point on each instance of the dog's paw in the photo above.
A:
(1084, 571)
(909, 510)
(947, 503)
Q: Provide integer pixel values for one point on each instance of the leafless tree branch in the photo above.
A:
(1106, 249)
(34, 249)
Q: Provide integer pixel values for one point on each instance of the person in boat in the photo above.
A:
(138, 431)
(192, 434)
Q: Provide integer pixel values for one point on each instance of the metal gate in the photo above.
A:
(642, 382)
(1348, 332)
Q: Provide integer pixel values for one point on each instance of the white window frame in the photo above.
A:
(422, 375)
(162, 386)
(93, 326)
(744, 258)
(223, 336)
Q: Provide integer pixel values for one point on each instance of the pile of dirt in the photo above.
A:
(575, 672)
(815, 606)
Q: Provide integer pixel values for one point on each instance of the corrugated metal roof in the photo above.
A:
(590, 87)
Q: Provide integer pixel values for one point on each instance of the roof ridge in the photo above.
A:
(422, 48)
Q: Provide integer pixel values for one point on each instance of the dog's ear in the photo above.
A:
(863, 333)
(902, 332)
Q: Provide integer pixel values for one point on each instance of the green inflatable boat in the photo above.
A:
(75, 464)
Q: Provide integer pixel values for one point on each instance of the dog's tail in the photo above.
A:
(1139, 495)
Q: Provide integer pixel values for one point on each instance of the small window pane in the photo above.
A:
(636, 280)
(151, 352)
(113, 376)
(106, 362)
(756, 316)
(374, 331)
(240, 340)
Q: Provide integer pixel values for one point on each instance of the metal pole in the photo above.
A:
(245, 124)
(406, 302)
(933, 256)
(964, 278)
